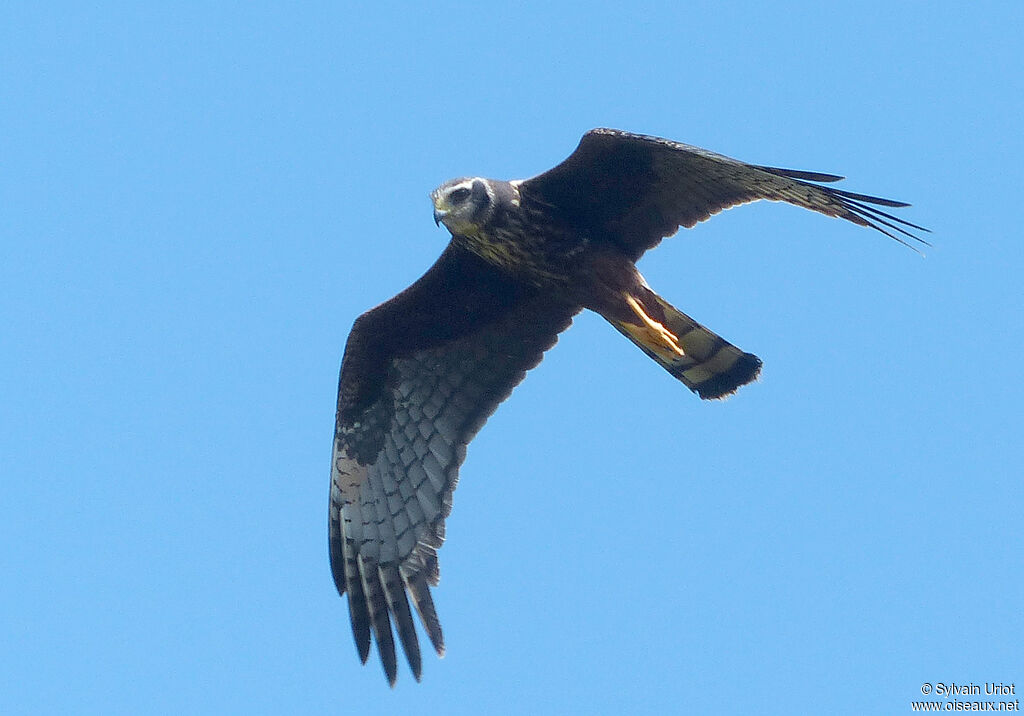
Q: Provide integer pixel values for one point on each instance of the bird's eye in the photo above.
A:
(458, 195)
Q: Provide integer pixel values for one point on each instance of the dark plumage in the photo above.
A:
(423, 371)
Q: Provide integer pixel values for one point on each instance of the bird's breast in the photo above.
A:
(529, 257)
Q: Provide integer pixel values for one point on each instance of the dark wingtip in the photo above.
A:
(390, 664)
(424, 603)
(802, 175)
(859, 205)
(869, 216)
(871, 199)
(360, 620)
(398, 604)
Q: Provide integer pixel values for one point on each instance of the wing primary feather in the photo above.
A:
(335, 549)
(870, 221)
(379, 620)
(358, 609)
(394, 590)
(870, 199)
(351, 517)
(420, 591)
(880, 213)
(872, 216)
(798, 174)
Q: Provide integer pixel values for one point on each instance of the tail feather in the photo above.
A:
(704, 362)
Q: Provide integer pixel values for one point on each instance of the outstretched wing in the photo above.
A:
(633, 190)
(421, 374)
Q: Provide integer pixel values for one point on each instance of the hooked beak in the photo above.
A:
(439, 214)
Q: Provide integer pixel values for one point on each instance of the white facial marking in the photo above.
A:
(468, 184)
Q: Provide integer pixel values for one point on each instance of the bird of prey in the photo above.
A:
(424, 370)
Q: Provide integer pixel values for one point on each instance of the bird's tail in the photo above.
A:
(706, 363)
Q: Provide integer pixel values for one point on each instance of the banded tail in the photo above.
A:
(706, 363)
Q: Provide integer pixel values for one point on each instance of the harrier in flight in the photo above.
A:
(424, 370)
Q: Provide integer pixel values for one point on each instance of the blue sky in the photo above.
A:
(195, 204)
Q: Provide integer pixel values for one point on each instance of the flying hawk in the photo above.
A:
(424, 370)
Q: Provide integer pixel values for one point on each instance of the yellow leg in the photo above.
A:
(659, 337)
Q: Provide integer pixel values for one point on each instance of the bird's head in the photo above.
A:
(464, 206)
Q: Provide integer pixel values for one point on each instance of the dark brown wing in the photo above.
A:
(633, 190)
(421, 374)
